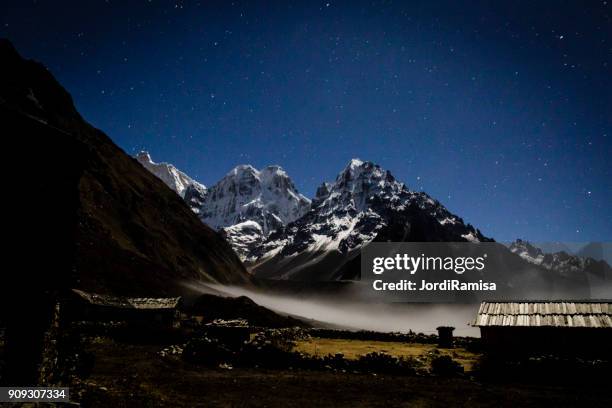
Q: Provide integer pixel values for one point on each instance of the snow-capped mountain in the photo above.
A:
(249, 204)
(364, 203)
(563, 263)
(527, 251)
(246, 205)
(280, 234)
(186, 187)
(243, 237)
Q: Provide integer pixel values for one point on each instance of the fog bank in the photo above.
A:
(355, 315)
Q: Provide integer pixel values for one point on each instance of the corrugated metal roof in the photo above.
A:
(545, 314)
(128, 303)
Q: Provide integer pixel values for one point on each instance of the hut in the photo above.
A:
(562, 327)
(156, 313)
(445, 336)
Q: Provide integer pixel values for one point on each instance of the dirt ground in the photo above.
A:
(136, 375)
(352, 349)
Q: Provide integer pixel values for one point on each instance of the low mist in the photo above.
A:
(355, 315)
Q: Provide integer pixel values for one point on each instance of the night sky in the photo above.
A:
(502, 111)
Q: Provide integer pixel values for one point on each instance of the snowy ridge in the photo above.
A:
(248, 204)
(562, 262)
(245, 193)
(243, 236)
(528, 252)
(272, 226)
(281, 234)
(363, 202)
(173, 177)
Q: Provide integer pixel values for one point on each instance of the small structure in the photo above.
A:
(445, 336)
(158, 313)
(558, 327)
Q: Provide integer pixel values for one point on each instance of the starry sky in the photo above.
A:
(501, 110)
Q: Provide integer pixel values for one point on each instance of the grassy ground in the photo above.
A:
(353, 349)
(136, 375)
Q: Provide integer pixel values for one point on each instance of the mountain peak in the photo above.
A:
(355, 162)
(355, 166)
(173, 177)
(249, 170)
(363, 203)
(242, 169)
(358, 168)
(527, 251)
(144, 156)
(359, 182)
(267, 197)
(274, 169)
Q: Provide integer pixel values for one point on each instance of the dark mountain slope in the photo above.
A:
(133, 234)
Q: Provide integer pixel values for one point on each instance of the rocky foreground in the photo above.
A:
(137, 375)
